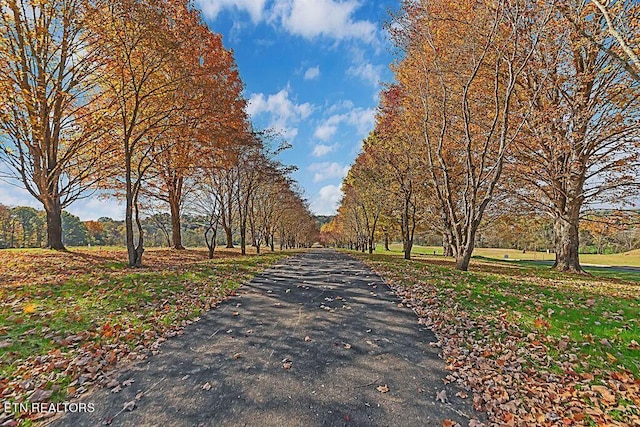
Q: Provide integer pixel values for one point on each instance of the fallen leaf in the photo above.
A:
(462, 395)
(116, 389)
(129, 406)
(287, 363)
(127, 383)
(441, 396)
(383, 388)
(113, 383)
(206, 386)
(307, 338)
(40, 395)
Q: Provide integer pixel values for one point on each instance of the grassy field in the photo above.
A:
(67, 318)
(626, 259)
(581, 331)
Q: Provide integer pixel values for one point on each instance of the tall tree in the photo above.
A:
(581, 145)
(140, 51)
(49, 115)
(458, 74)
(212, 118)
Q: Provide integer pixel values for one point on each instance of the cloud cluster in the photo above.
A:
(327, 200)
(328, 170)
(323, 18)
(367, 72)
(284, 113)
(255, 8)
(363, 119)
(305, 18)
(322, 149)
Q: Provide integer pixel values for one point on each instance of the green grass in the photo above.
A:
(626, 259)
(71, 303)
(581, 310)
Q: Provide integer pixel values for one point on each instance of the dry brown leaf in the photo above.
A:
(383, 388)
(441, 396)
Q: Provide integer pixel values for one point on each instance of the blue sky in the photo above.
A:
(312, 71)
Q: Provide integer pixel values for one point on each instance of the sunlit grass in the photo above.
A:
(628, 259)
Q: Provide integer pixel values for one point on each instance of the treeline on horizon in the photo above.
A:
(602, 232)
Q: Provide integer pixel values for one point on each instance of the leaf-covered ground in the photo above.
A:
(67, 318)
(536, 347)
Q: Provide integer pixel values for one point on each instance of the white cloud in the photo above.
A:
(284, 113)
(328, 18)
(92, 208)
(368, 72)
(322, 150)
(13, 195)
(362, 119)
(326, 130)
(211, 8)
(326, 170)
(327, 200)
(312, 73)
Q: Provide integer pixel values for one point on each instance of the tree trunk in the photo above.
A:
(243, 239)
(176, 233)
(134, 252)
(407, 246)
(464, 258)
(567, 244)
(386, 241)
(211, 242)
(229, 234)
(464, 251)
(447, 247)
(54, 225)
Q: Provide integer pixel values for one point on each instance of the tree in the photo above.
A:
(74, 231)
(581, 142)
(141, 51)
(212, 119)
(49, 114)
(617, 34)
(31, 226)
(458, 74)
(97, 235)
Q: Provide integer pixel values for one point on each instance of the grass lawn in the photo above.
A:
(562, 344)
(67, 317)
(626, 259)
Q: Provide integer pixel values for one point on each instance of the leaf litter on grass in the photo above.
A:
(67, 318)
(528, 346)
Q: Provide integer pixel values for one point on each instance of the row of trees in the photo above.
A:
(25, 227)
(140, 99)
(509, 103)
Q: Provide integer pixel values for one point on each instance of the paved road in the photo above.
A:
(307, 343)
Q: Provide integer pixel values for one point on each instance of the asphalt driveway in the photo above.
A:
(317, 340)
